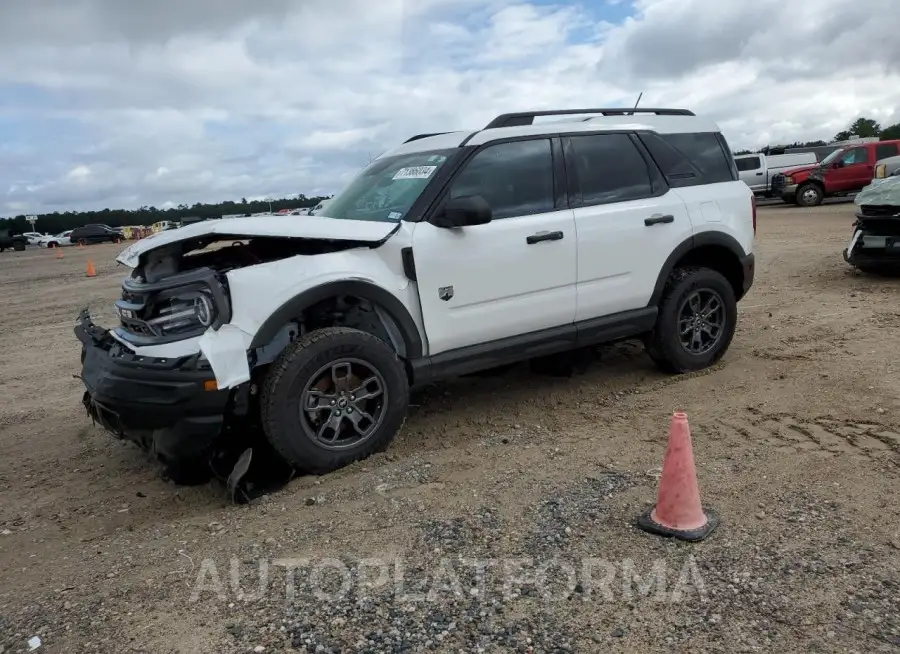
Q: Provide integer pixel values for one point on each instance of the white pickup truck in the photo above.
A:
(757, 170)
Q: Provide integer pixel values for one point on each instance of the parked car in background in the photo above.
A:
(843, 172)
(11, 240)
(886, 168)
(319, 207)
(875, 244)
(756, 170)
(90, 234)
(33, 237)
(56, 241)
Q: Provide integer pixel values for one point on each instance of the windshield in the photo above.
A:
(831, 157)
(386, 189)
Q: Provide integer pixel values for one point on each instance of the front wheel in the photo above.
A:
(18, 247)
(696, 321)
(335, 396)
(810, 195)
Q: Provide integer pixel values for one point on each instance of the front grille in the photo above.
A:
(879, 211)
(777, 182)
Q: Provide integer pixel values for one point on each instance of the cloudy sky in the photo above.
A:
(121, 103)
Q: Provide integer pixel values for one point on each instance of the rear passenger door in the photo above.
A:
(627, 219)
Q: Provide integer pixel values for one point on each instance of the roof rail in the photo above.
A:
(527, 117)
(423, 136)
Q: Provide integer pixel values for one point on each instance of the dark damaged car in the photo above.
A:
(875, 243)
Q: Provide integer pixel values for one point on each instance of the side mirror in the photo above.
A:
(465, 211)
(838, 164)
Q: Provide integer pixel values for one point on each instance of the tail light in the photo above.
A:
(753, 208)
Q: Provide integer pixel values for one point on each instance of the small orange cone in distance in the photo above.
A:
(59, 254)
(91, 271)
(678, 512)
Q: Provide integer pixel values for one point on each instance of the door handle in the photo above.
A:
(759, 174)
(659, 219)
(543, 236)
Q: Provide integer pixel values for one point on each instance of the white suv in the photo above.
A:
(451, 254)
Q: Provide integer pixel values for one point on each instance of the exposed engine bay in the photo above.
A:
(224, 253)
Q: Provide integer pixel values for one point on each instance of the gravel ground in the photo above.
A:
(502, 519)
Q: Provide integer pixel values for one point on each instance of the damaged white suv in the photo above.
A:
(453, 253)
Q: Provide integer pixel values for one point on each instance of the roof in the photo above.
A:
(663, 121)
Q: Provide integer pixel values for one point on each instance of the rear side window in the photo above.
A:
(885, 150)
(747, 163)
(691, 159)
(608, 168)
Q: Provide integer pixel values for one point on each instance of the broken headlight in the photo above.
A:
(179, 307)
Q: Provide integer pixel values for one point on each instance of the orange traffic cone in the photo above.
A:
(59, 254)
(91, 271)
(678, 512)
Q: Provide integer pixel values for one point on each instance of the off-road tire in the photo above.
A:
(290, 372)
(801, 201)
(663, 344)
(18, 246)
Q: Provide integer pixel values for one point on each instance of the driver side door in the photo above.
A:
(855, 171)
(513, 276)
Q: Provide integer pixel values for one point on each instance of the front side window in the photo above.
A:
(855, 156)
(387, 188)
(515, 178)
(609, 168)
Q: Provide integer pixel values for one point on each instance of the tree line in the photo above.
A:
(56, 222)
(861, 127)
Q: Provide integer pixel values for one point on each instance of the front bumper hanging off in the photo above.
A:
(170, 407)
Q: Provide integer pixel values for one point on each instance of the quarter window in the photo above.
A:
(515, 178)
(691, 159)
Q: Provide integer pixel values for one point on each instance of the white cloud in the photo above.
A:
(172, 102)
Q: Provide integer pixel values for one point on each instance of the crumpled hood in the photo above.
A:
(310, 227)
(800, 169)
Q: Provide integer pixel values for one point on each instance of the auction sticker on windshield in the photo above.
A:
(415, 172)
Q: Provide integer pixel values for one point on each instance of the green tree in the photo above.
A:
(56, 222)
(892, 132)
(862, 127)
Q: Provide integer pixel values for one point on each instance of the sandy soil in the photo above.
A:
(796, 435)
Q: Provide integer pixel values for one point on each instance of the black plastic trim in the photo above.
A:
(535, 344)
(698, 240)
(362, 289)
(560, 177)
(409, 263)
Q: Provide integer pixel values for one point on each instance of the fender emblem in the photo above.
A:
(445, 292)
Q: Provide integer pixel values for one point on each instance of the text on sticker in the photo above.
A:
(415, 172)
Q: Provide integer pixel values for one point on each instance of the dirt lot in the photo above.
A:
(796, 435)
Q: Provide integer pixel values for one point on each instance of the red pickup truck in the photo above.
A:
(843, 171)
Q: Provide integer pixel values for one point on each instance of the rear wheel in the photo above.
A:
(696, 321)
(810, 195)
(82, 242)
(335, 396)
(18, 246)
